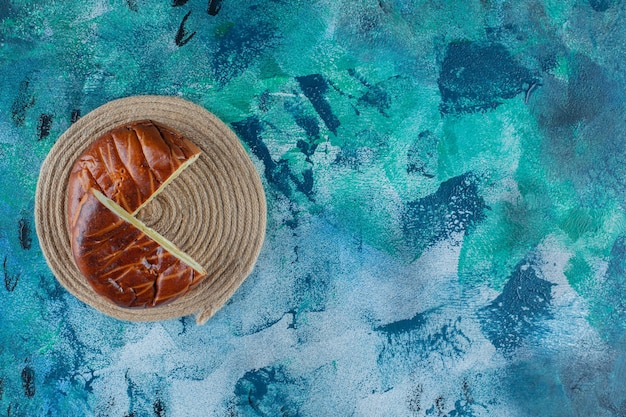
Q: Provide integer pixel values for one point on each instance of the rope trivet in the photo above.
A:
(214, 211)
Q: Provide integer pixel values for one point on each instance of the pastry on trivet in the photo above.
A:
(125, 261)
(130, 165)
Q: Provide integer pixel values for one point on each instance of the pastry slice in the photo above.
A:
(130, 164)
(124, 260)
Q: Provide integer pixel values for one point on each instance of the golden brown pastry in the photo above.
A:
(124, 261)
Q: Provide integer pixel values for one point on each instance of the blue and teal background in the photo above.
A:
(446, 190)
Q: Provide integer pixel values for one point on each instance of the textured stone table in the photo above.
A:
(446, 228)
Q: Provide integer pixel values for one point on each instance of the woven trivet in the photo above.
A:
(215, 210)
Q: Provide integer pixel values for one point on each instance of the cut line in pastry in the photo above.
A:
(151, 233)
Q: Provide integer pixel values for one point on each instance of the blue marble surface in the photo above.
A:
(446, 228)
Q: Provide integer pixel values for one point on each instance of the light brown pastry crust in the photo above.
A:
(128, 165)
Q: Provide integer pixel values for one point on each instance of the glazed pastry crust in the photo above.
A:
(128, 165)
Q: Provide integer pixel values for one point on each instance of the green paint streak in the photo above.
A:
(562, 70)
(557, 11)
(357, 206)
(480, 143)
(453, 19)
(53, 338)
(579, 274)
(521, 200)
(580, 221)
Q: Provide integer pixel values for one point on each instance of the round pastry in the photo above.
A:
(123, 260)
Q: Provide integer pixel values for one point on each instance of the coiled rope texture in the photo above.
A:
(215, 210)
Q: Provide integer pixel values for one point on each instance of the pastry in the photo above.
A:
(122, 259)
